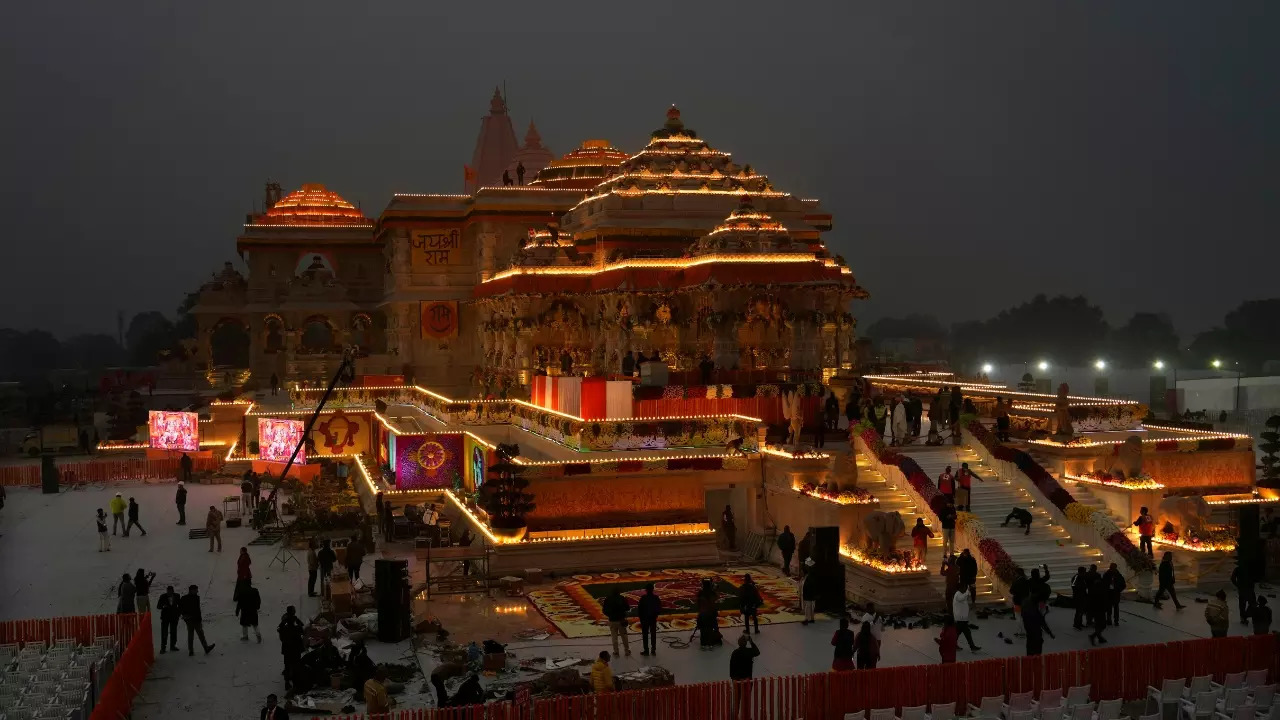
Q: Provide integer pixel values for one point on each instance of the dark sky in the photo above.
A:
(973, 153)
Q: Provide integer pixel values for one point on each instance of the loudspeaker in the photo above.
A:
(826, 546)
(831, 590)
(391, 594)
(1250, 553)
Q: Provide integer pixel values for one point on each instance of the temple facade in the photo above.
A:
(545, 264)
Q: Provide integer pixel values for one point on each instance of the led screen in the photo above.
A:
(174, 430)
(278, 438)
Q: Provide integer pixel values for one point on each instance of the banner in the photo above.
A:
(439, 319)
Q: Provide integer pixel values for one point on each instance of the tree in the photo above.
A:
(1147, 337)
(505, 499)
(92, 351)
(149, 335)
(1064, 330)
(915, 326)
(1271, 460)
(29, 354)
(1249, 336)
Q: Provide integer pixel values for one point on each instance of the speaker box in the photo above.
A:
(391, 595)
(831, 597)
(826, 546)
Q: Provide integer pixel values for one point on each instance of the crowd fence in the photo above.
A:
(98, 471)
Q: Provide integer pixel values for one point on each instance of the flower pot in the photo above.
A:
(509, 534)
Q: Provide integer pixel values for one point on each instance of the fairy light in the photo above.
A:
(368, 479)
(668, 263)
(856, 555)
(1255, 500)
(484, 527)
(1202, 547)
(861, 498)
(1128, 484)
(624, 535)
(624, 459)
(805, 455)
(1192, 431)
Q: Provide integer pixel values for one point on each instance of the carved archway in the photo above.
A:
(318, 335)
(229, 343)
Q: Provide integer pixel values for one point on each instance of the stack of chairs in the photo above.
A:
(39, 682)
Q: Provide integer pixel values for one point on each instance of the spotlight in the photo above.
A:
(1044, 365)
(1100, 364)
(987, 367)
(1159, 365)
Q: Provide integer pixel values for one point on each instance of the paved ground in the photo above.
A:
(48, 549)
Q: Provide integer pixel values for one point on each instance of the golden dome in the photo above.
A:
(583, 167)
(313, 204)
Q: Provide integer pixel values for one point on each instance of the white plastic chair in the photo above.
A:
(1019, 702)
(1022, 715)
(1229, 681)
(860, 715)
(1199, 684)
(1109, 709)
(1255, 678)
(1053, 713)
(990, 707)
(913, 713)
(883, 714)
(1171, 691)
(1244, 711)
(1078, 695)
(944, 711)
(1262, 697)
(1232, 699)
(1082, 712)
(1202, 708)
(1048, 699)
(1156, 716)
(1272, 714)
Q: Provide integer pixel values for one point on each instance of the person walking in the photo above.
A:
(1218, 614)
(1113, 583)
(1038, 585)
(1261, 617)
(901, 428)
(1165, 579)
(184, 467)
(616, 609)
(1099, 609)
(601, 674)
(947, 519)
(648, 610)
(1080, 597)
(867, 648)
(180, 499)
(117, 506)
(125, 595)
(741, 669)
(1242, 579)
(170, 607)
(247, 606)
(1146, 531)
(313, 567)
(808, 596)
(960, 611)
(290, 631)
(947, 484)
(104, 540)
(133, 519)
(1034, 627)
(749, 604)
(920, 535)
(190, 605)
(213, 526)
(967, 564)
(948, 641)
(142, 590)
(842, 640)
(355, 557)
(786, 546)
(272, 710)
(326, 559)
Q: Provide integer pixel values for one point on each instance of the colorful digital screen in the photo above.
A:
(173, 430)
(278, 438)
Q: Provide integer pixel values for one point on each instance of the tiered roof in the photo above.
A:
(746, 230)
(582, 168)
(313, 204)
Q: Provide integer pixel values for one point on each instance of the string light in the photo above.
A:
(856, 555)
(1128, 484)
(668, 263)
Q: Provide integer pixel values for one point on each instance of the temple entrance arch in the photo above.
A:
(273, 334)
(362, 333)
(318, 335)
(229, 343)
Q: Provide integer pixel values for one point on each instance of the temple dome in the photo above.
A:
(747, 230)
(583, 167)
(313, 204)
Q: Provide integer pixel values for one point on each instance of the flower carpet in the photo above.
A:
(573, 606)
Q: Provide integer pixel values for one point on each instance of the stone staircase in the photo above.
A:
(892, 498)
(1047, 544)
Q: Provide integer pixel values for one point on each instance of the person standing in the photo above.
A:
(104, 540)
(960, 611)
(648, 610)
(142, 590)
(967, 564)
(741, 669)
(947, 519)
(376, 699)
(602, 674)
(842, 640)
(290, 631)
(1218, 614)
(1002, 420)
(190, 605)
(1261, 617)
(948, 641)
(180, 499)
(247, 606)
(246, 490)
(117, 514)
(1080, 597)
(1099, 608)
(804, 549)
(920, 535)
(786, 546)
(133, 519)
(964, 482)
(313, 567)
(947, 485)
(273, 711)
(170, 607)
(628, 365)
(1040, 593)
(184, 467)
(213, 526)
(901, 428)
(616, 609)
(355, 557)
(1034, 627)
(1113, 584)
(388, 522)
(867, 648)
(1242, 579)
(808, 596)
(1146, 532)
(275, 384)
(832, 411)
(749, 604)
(125, 595)
(1165, 577)
(729, 528)
(326, 559)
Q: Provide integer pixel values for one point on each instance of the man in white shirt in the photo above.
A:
(877, 622)
(960, 611)
(430, 517)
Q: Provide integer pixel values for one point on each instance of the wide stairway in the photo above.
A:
(1047, 544)
(891, 498)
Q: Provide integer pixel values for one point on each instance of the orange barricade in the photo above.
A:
(104, 471)
(126, 679)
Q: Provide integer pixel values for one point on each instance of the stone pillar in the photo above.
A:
(804, 345)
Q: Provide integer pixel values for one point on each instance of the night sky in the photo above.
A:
(973, 153)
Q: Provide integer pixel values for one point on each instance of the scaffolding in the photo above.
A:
(449, 579)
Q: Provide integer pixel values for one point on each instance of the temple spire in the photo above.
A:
(496, 146)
